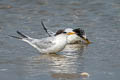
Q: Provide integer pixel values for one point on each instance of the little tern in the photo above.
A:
(48, 45)
(80, 35)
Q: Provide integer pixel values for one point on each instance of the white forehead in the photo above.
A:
(68, 30)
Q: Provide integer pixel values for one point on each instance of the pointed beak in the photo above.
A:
(71, 33)
(87, 41)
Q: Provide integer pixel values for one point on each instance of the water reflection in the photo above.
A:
(69, 63)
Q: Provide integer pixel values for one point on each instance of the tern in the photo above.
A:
(48, 45)
(80, 35)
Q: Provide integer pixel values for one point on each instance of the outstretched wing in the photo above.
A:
(49, 32)
(37, 43)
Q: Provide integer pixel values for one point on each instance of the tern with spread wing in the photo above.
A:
(80, 35)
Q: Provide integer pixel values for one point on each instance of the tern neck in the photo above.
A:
(62, 38)
(61, 41)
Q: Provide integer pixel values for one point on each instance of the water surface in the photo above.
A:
(99, 18)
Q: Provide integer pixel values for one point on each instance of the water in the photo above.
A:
(99, 18)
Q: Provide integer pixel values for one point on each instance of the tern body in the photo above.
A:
(51, 44)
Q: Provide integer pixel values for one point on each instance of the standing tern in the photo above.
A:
(48, 45)
(80, 35)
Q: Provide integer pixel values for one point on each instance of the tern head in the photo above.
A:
(68, 31)
(81, 34)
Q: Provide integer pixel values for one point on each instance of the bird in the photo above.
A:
(80, 35)
(47, 45)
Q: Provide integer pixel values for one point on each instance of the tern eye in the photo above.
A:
(64, 32)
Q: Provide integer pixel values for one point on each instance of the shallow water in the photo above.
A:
(99, 18)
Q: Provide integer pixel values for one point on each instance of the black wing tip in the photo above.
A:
(21, 34)
(15, 37)
(42, 22)
(44, 27)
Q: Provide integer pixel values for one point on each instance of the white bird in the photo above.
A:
(80, 35)
(51, 44)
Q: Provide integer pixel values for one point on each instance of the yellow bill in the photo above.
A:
(70, 33)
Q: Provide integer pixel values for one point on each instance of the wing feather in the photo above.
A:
(44, 43)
